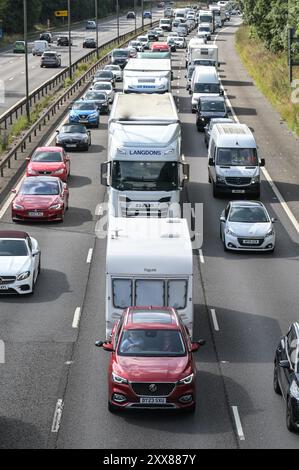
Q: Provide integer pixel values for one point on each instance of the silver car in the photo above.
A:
(20, 259)
(116, 70)
(104, 86)
(246, 225)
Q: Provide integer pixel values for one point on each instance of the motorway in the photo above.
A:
(13, 65)
(253, 296)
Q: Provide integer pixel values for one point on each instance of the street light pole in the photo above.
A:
(117, 19)
(142, 14)
(26, 60)
(69, 29)
(97, 25)
(135, 16)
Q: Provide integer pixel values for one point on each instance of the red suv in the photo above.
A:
(151, 363)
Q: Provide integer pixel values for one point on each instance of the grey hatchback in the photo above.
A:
(50, 59)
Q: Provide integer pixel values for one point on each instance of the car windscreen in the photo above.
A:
(49, 54)
(104, 73)
(144, 176)
(40, 188)
(13, 248)
(95, 96)
(206, 62)
(120, 53)
(83, 106)
(73, 128)
(151, 342)
(103, 86)
(206, 88)
(205, 29)
(248, 215)
(43, 156)
(210, 106)
(237, 157)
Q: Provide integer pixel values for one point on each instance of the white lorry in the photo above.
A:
(147, 76)
(144, 172)
(206, 16)
(149, 263)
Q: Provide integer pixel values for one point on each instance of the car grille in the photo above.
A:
(247, 241)
(83, 116)
(144, 388)
(238, 181)
(7, 279)
(71, 141)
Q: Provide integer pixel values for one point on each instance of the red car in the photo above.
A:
(160, 47)
(49, 161)
(151, 363)
(40, 198)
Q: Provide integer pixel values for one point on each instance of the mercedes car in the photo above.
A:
(20, 262)
(73, 136)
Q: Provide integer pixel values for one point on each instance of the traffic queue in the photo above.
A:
(149, 261)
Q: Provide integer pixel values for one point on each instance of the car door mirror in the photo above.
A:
(273, 220)
(262, 162)
(222, 218)
(186, 171)
(104, 173)
(35, 252)
(221, 92)
(14, 190)
(105, 345)
(196, 345)
(284, 364)
(67, 158)
(211, 162)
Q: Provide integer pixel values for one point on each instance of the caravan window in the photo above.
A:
(122, 293)
(149, 292)
(177, 294)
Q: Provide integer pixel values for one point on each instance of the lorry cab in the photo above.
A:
(233, 161)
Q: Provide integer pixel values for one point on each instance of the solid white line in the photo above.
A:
(77, 316)
(89, 256)
(238, 423)
(10, 198)
(57, 415)
(202, 260)
(276, 191)
(214, 318)
(11, 78)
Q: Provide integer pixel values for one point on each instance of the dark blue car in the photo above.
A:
(84, 112)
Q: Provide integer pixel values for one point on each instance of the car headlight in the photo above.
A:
(119, 380)
(93, 115)
(294, 390)
(59, 172)
(23, 276)
(85, 139)
(220, 179)
(161, 87)
(55, 207)
(255, 179)
(18, 206)
(230, 232)
(186, 380)
(32, 172)
(269, 233)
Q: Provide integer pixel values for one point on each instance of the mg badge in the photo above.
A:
(153, 388)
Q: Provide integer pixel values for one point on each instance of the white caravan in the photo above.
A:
(149, 263)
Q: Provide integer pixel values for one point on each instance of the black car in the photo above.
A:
(73, 136)
(208, 127)
(46, 37)
(131, 15)
(89, 43)
(153, 35)
(209, 107)
(100, 98)
(171, 44)
(63, 41)
(286, 375)
(104, 76)
(120, 57)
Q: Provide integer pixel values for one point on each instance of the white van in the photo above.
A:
(205, 81)
(234, 164)
(148, 263)
(39, 47)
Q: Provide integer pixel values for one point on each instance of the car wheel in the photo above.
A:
(209, 178)
(193, 111)
(215, 192)
(276, 385)
(289, 417)
(224, 243)
(206, 142)
(191, 409)
(111, 408)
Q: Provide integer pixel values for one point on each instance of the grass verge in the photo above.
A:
(270, 73)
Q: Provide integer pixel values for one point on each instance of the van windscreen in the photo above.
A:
(237, 157)
(207, 88)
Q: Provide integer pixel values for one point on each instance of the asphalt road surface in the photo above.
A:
(12, 65)
(254, 296)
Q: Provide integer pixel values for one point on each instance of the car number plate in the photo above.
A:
(35, 214)
(4, 287)
(152, 400)
(83, 121)
(238, 191)
(71, 145)
(251, 242)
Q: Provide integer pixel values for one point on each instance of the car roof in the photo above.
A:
(13, 234)
(244, 203)
(151, 317)
(48, 149)
(42, 178)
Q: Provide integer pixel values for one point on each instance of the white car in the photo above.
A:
(104, 86)
(173, 33)
(160, 32)
(20, 262)
(137, 45)
(144, 41)
(246, 225)
(180, 42)
(116, 70)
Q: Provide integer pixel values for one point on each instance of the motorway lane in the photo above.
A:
(13, 65)
(37, 330)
